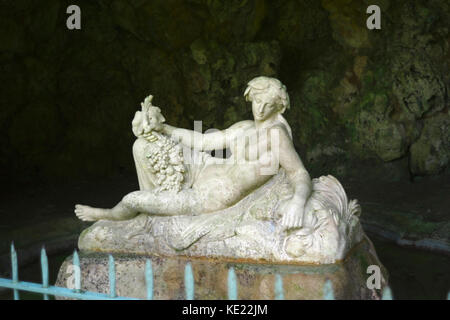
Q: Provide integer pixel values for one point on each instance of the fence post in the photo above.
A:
(232, 284)
(328, 291)
(387, 294)
(279, 291)
(76, 271)
(149, 279)
(44, 270)
(15, 270)
(189, 281)
(112, 277)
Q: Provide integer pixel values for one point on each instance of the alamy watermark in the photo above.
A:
(73, 22)
(374, 280)
(260, 147)
(374, 21)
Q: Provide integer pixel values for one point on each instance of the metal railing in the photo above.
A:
(77, 293)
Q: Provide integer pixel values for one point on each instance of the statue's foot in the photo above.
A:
(87, 213)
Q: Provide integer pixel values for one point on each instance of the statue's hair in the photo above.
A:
(265, 84)
(260, 84)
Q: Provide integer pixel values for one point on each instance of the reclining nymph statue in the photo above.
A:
(257, 203)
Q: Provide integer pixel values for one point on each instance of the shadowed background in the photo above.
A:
(357, 96)
(370, 107)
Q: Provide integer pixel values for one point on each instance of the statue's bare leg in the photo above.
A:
(185, 202)
(119, 212)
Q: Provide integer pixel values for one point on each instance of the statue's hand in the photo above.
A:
(137, 125)
(292, 214)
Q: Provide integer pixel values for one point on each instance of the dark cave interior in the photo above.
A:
(370, 107)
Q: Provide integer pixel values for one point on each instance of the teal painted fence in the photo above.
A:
(45, 289)
(77, 293)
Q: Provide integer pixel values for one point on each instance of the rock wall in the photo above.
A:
(359, 98)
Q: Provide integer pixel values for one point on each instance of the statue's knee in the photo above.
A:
(131, 199)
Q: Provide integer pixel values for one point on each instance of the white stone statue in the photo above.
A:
(259, 203)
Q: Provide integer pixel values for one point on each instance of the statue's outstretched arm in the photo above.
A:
(213, 140)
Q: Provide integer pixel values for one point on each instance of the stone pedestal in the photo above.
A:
(255, 280)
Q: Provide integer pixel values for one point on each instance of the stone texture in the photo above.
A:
(431, 152)
(255, 281)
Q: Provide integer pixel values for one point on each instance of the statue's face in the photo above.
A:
(264, 105)
(155, 120)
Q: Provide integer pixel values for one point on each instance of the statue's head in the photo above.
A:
(268, 97)
(155, 118)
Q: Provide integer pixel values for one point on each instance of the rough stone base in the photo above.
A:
(255, 280)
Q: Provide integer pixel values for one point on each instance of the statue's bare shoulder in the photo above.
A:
(281, 129)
